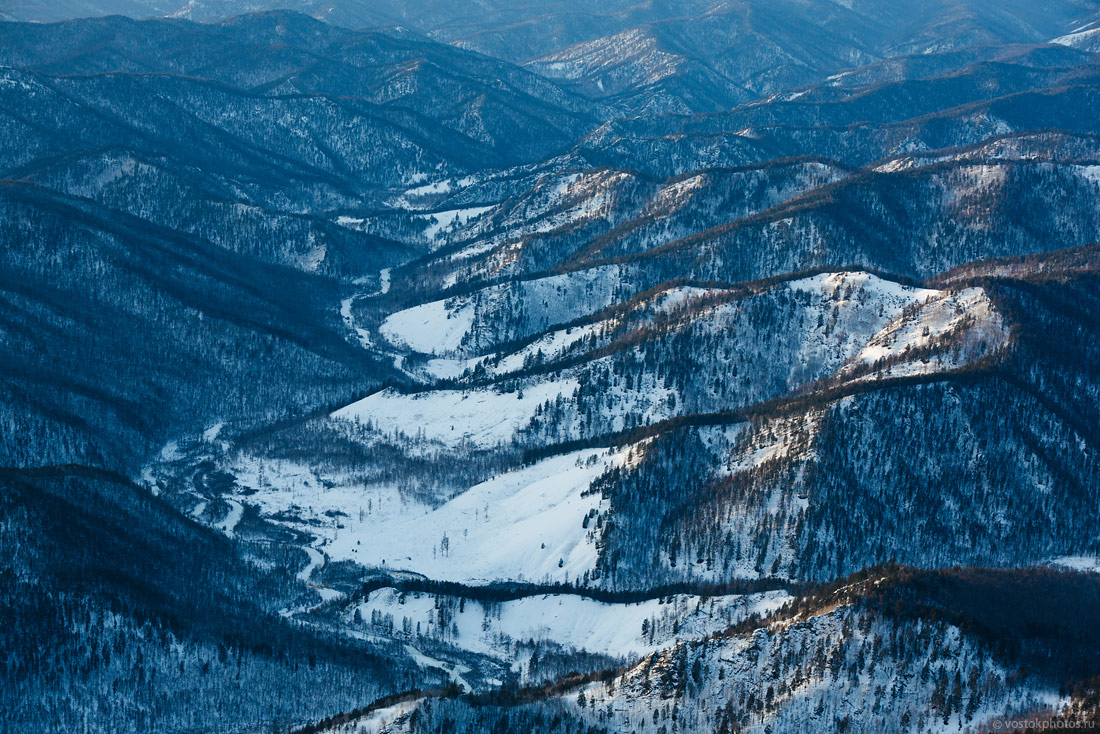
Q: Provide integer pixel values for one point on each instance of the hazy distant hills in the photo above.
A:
(150, 136)
(669, 57)
(293, 60)
(560, 367)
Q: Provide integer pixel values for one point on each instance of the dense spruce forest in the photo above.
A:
(569, 368)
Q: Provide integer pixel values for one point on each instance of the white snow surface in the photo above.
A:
(750, 662)
(1084, 39)
(856, 305)
(440, 222)
(524, 525)
(229, 523)
(363, 335)
(333, 508)
(433, 189)
(366, 340)
(482, 416)
(449, 368)
(1085, 564)
(941, 315)
(829, 284)
(551, 346)
(378, 721)
(574, 622)
(440, 327)
(454, 671)
(431, 328)
(673, 298)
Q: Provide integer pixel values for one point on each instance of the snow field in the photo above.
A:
(431, 328)
(573, 622)
(1084, 564)
(440, 327)
(440, 222)
(522, 525)
(940, 316)
(452, 418)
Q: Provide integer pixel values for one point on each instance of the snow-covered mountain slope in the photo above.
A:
(562, 217)
(730, 347)
(893, 650)
(457, 325)
(536, 523)
(625, 631)
(525, 525)
(760, 486)
(612, 65)
(848, 688)
(454, 382)
(965, 319)
(919, 215)
(866, 124)
(1085, 37)
(483, 417)
(849, 685)
(791, 490)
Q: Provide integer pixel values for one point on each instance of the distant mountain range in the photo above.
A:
(563, 367)
(696, 56)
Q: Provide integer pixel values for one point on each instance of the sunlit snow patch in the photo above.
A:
(483, 417)
(524, 525)
(573, 622)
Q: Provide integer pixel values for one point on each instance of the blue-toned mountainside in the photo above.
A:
(409, 367)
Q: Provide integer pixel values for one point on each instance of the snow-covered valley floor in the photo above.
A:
(524, 525)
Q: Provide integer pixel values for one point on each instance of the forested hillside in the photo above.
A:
(713, 366)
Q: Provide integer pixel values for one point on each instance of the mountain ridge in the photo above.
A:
(722, 366)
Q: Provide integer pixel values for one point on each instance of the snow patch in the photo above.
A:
(573, 622)
(1085, 564)
(483, 417)
(440, 222)
(438, 188)
(431, 328)
(454, 671)
(210, 435)
(229, 523)
(941, 316)
(523, 525)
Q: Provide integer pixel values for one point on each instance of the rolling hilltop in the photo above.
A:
(587, 367)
